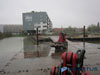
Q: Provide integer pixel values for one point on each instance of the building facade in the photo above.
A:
(33, 20)
(11, 28)
(1, 28)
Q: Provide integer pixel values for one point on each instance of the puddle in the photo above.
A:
(42, 50)
(31, 50)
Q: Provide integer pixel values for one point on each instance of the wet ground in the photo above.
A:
(19, 56)
(92, 61)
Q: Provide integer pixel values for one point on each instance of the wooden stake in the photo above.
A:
(84, 37)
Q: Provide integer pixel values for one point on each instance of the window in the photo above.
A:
(44, 26)
(39, 26)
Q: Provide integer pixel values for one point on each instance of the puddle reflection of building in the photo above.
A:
(57, 54)
(31, 50)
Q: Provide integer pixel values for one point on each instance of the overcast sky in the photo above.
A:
(63, 13)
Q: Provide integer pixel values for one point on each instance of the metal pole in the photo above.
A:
(84, 37)
(37, 42)
(37, 36)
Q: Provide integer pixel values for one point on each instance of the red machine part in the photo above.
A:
(64, 61)
(53, 70)
(88, 73)
(69, 58)
(62, 38)
(83, 73)
(74, 62)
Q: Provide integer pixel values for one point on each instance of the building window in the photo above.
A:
(44, 26)
(44, 22)
(39, 26)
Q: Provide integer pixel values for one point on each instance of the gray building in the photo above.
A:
(14, 29)
(32, 20)
(1, 28)
(11, 28)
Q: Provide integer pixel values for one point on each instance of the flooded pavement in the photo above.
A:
(92, 61)
(20, 56)
(9, 48)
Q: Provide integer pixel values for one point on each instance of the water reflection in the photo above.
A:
(31, 50)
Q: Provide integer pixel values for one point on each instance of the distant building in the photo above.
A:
(32, 20)
(58, 30)
(79, 30)
(1, 28)
(11, 28)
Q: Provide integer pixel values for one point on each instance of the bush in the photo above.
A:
(4, 35)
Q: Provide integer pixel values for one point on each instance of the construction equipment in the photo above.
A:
(61, 44)
(72, 64)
